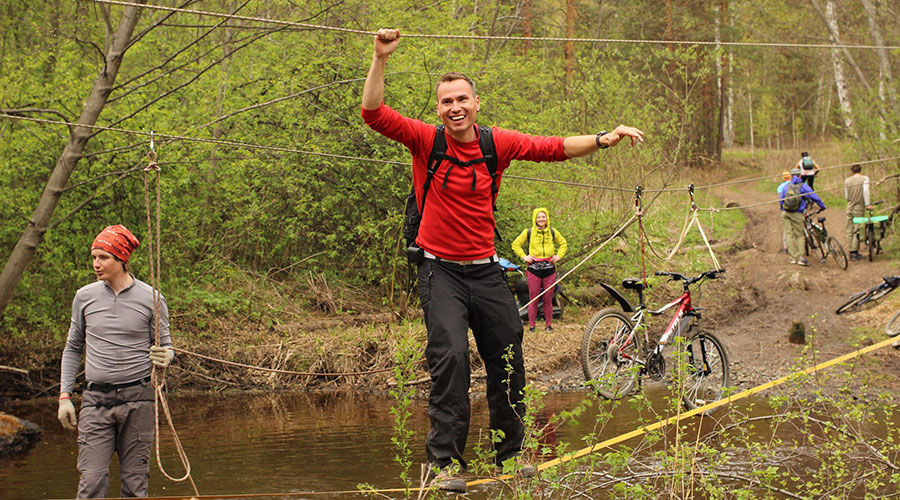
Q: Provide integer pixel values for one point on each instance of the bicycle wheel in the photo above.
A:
(855, 301)
(837, 252)
(821, 251)
(892, 329)
(806, 244)
(706, 374)
(870, 240)
(609, 351)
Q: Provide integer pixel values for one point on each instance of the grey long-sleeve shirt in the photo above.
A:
(114, 332)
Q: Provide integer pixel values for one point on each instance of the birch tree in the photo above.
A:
(837, 65)
(117, 43)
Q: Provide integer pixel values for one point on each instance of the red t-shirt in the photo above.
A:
(457, 222)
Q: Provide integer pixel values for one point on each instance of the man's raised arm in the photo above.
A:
(373, 91)
(581, 145)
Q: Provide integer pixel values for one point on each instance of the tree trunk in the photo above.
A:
(570, 45)
(526, 26)
(750, 113)
(729, 107)
(830, 20)
(722, 64)
(885, 78)
(33, 234)
(837, 64)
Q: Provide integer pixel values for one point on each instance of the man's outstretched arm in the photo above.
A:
(373, 91)
(576, 146)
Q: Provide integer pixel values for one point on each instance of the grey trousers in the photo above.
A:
(121, 421)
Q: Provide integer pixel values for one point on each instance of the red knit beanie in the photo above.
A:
(116, 240)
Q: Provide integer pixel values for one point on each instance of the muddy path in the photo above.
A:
(753, 309)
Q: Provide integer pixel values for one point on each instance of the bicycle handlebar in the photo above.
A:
(711, 274)
(817, 212)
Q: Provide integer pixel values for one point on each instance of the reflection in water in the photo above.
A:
(265, 442)
(257, 442)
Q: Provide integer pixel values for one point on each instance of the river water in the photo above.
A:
(255, 443)
(264, 442)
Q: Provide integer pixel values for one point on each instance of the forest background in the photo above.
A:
(279, 204)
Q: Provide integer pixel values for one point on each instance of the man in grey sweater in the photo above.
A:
(114, 327)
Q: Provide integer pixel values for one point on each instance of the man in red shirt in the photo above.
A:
(460, 284)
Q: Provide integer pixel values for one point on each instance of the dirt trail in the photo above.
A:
(753, 309)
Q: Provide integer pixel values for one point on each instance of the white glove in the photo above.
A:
(161, 356)
(66, 414)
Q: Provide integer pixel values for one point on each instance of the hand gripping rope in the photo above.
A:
(157, 376)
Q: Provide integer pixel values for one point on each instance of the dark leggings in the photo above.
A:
(809, 180)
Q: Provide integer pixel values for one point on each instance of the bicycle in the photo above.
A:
(871, 296)
(892, 329)
(873, 244)
(616, 354)
(817, 240)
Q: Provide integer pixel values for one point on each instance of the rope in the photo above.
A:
(158, 376)
(220, 142)
(503, 38)
(286, 372)
(279, 149)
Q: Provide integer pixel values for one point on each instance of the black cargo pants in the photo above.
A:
(455, 298)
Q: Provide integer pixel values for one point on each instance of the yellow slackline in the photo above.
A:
(571, 456)
(715, 404)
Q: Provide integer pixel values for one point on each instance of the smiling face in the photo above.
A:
(457, 106)
(541, 220)
(107, 267)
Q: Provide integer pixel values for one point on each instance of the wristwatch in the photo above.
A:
(599, 144)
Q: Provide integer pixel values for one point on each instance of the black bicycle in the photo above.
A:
(868, 298)
(872, 230)
(818, 242)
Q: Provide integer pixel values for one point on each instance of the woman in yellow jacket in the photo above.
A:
(545, 247)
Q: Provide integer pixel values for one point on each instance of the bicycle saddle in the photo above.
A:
(821, 219)
(633, 284)
(890, 280)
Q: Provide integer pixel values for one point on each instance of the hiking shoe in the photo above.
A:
(855, 256)
(447, 480)
(793, 261)
(548, 329)
(530, 329)
(802, 261)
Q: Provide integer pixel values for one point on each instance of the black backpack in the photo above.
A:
(415, 208)
(792, 198)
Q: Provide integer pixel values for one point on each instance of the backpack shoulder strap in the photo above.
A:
(489, 152)
(438, 149)
(528, 241)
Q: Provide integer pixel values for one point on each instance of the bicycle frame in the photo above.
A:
(684, 308)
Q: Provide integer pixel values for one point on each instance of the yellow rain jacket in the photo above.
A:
(543, 241)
